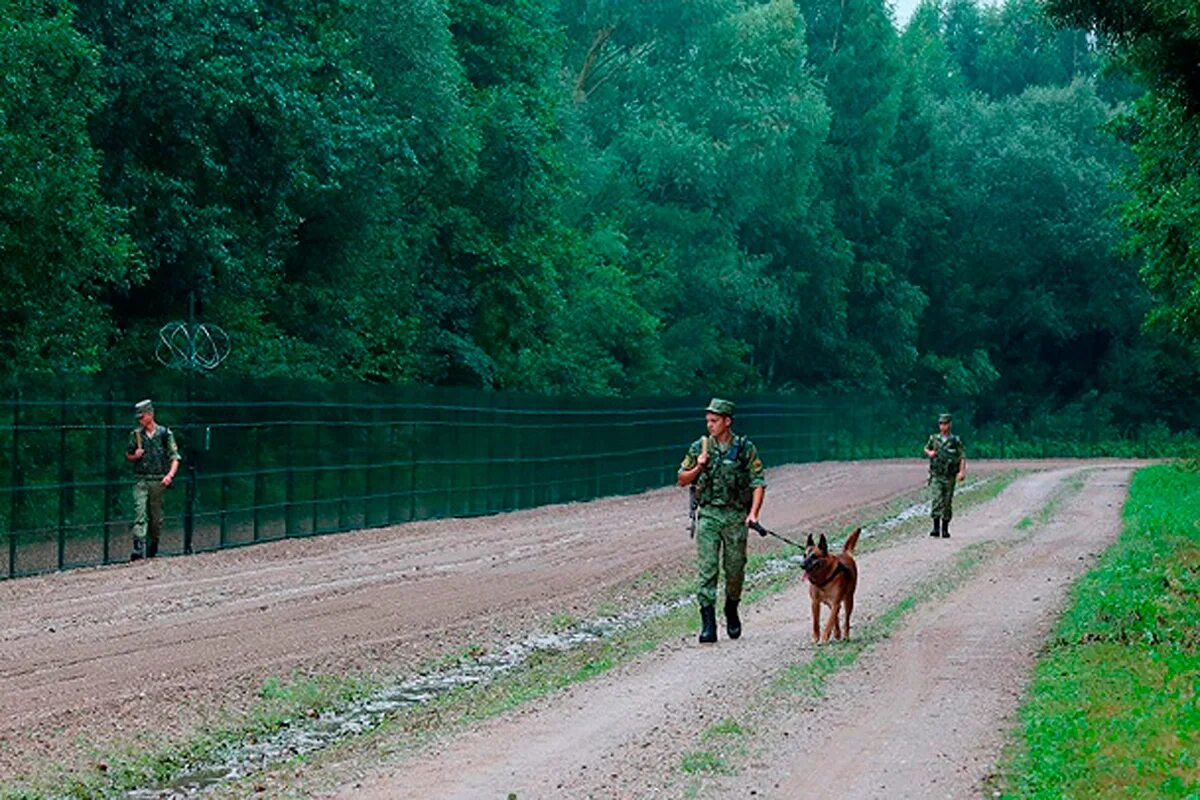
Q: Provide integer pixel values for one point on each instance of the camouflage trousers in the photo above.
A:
(720, 543)
(941, 497)
(148, 511)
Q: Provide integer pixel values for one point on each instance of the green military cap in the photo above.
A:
(719, 406)
(142, 407)
(945, 418)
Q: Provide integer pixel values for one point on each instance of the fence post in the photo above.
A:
(256, 502)
(315, 472)
(14, 497)
(343, 467)
(369, 466)
(62, 478)
(193, 450)
(223, 535)
(393, 453)
(290, 491)
(412, 471)
(109, 477)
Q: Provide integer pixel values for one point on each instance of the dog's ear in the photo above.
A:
(809, 543)
(823, 546)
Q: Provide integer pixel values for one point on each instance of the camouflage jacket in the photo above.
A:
(734, 470)
(160, 451)
(950, 453)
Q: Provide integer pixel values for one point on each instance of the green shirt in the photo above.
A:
(950, 453)
(734, 470)
(159, 451)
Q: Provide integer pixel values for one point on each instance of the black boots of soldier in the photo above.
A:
(708, 624)
(144, 548)
(733, 623)
(941, 527)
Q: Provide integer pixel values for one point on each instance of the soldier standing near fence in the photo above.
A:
(155, 459)
(727, 476)
(947, 465)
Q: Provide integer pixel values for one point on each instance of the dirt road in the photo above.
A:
(95, 658)
(923, 713)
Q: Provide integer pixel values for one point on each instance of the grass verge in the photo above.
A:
(1113, 709)
(117, 772)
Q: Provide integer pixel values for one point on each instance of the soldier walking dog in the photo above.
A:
(726, 476)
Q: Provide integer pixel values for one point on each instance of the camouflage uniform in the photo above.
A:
(159, 450)
(943, 473)
(723, 490)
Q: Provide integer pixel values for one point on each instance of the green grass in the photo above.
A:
(1113, 708)
(131, 767)
(704, 761)
(726, 727)
(1072, 485)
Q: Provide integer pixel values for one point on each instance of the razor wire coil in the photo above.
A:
(194, 346)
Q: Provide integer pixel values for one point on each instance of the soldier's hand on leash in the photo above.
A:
(138, 453)
(166, 481)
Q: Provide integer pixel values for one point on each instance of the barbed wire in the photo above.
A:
(197, 346)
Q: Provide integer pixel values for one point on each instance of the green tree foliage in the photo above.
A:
(855, 49)
(61, 245)
(1003, 147)
(1038, 282)
(241, 139)
(507, 249)
(1160, 41)
(705, 124)
(603, 197)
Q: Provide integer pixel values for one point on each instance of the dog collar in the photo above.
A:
(839, 568)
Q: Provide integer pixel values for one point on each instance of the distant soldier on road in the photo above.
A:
(947, 465)
(726, 475)
(155, 459)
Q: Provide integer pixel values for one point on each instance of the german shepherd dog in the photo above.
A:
(831, 581)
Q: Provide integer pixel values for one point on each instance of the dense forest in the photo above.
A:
(614, 198)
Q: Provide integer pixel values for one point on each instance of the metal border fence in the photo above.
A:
(268, 460)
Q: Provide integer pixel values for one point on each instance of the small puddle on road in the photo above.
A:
(306, 735)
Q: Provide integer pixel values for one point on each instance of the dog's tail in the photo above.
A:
(853, 540)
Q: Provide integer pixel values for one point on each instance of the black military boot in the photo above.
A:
(733, 623)
(945, 529)
(708, 624)
(936, 527)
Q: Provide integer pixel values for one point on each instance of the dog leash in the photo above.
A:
(755, 526)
